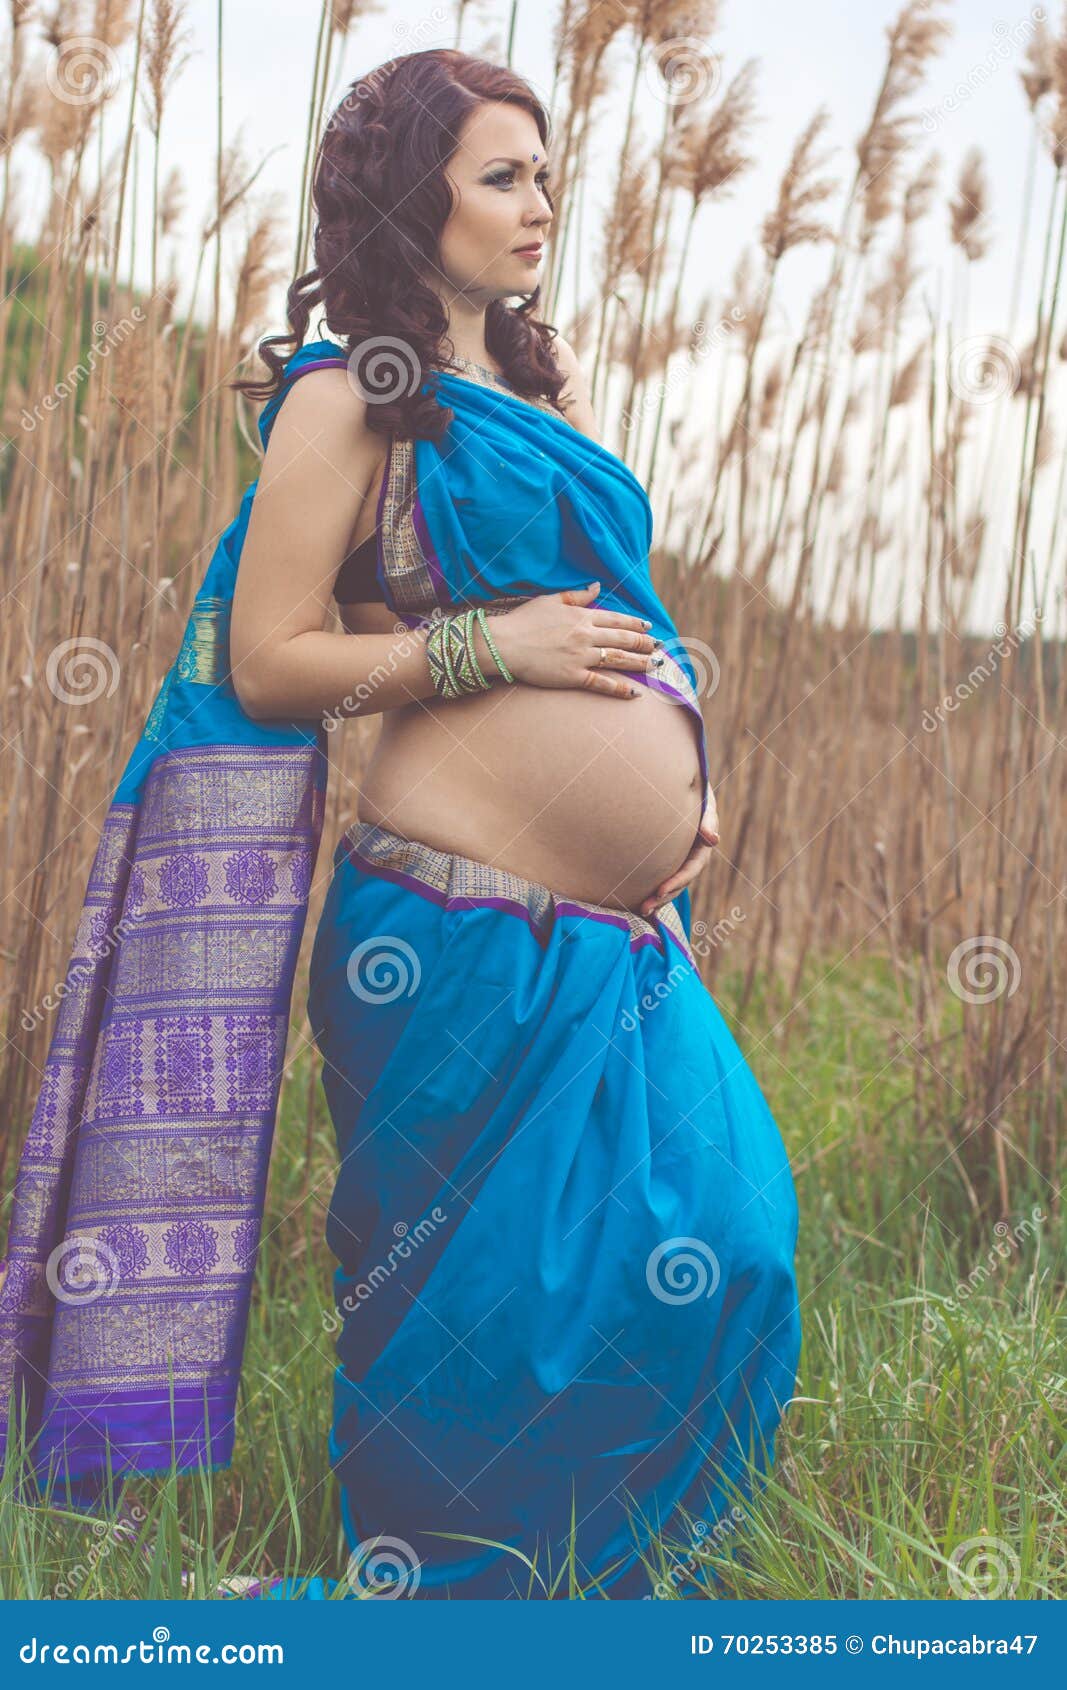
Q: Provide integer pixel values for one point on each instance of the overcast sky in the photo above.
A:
(819, 53)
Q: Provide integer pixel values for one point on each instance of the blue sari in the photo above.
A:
(563, 1219)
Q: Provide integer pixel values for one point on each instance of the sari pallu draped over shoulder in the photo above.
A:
(140, 1187)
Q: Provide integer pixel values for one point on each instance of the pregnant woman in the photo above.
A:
(563, 1219)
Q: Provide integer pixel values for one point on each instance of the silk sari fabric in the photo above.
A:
(563, 1219)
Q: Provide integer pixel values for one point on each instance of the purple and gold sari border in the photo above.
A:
(380, 570)
(528, 895)
(441, 589)
(147, 1432)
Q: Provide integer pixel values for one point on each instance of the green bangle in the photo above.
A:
(491, 643)
(473, 669)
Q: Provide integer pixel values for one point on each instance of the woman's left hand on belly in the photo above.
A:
(699, 856)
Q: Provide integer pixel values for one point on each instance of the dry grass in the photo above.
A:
(865, 463)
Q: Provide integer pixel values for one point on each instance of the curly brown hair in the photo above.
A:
(381, 199)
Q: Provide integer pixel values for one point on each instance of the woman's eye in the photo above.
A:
(506, 178)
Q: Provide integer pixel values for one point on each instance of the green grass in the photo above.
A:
(924, 1457)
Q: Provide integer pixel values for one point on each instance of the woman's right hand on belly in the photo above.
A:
(564, 640)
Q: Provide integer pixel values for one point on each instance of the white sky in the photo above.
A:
(821, 52)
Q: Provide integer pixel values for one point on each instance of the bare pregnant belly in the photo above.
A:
(593, 796)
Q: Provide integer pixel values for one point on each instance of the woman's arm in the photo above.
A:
(317, 471)
(574, 395)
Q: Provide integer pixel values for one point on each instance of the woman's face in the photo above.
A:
(498, 175)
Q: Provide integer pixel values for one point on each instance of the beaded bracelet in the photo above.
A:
(453, 658)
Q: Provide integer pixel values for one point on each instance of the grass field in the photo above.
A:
(923, 1457)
